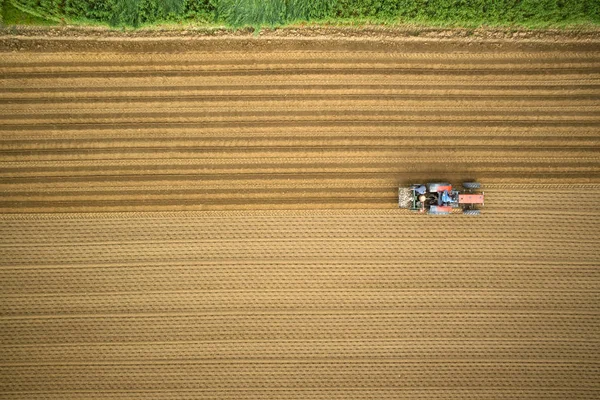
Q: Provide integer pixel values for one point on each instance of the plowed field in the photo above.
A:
(217, 219)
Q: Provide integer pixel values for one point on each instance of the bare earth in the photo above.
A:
(216, 217)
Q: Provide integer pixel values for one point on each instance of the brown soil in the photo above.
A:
(363, 32)
(217, 218)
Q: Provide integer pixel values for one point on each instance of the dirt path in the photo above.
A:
(220, 221)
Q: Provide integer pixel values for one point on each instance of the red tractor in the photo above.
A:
(441, 198)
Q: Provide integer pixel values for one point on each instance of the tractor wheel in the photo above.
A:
(471, 185)
(471, 212)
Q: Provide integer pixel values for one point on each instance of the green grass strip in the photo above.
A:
(274, 13)
(16, 14)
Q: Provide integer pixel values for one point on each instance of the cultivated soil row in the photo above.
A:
(287, 129)
(220, 221)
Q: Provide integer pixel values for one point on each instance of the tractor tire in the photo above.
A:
(471, 212)
(471, 185)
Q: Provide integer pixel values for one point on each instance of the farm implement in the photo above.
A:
(440, 198)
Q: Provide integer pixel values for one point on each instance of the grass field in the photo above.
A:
(11, 15)
(270, 13)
